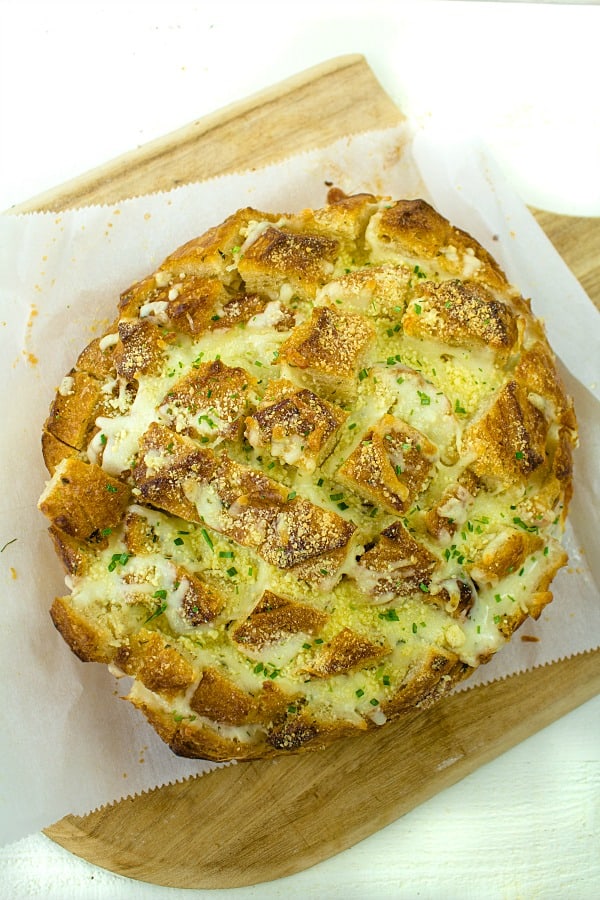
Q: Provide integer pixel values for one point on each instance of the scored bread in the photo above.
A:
(313, 475)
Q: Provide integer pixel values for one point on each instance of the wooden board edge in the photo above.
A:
(574, 238)
(88, 836)
(111, 838)
(188, 153)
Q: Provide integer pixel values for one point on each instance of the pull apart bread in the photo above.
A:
(314, 474)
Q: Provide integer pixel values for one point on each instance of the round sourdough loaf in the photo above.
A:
(314, 473)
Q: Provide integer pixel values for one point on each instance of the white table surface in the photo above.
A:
(83, 82)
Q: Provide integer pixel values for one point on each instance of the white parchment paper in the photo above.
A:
(68, 742)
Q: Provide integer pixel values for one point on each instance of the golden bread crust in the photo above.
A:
(313, 474)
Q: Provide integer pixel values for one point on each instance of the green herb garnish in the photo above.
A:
(117, 559)
(157, 612)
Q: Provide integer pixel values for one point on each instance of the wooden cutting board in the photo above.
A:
(185, 835)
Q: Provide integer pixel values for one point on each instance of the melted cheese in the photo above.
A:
(271, 315)
(421, 404)
(122, 433)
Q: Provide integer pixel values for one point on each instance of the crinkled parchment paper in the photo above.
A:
(68, 745)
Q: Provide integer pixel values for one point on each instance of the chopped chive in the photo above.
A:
(524, 525)
(117, 559)
(207, 538)
(157, 612)
(226, 554)
(232, 571)
(390, 614)
(160, 595)
(179, 717)
(178, 541)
